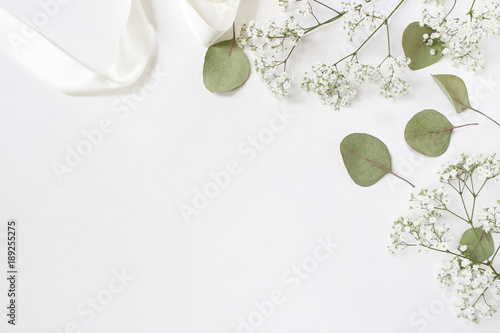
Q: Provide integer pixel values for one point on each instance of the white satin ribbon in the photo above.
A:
(209, 19)
(67, 74)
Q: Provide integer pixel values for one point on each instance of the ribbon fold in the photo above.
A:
(69, 75)
(209, 19)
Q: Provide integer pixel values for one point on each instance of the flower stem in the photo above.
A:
(471, 8)
(322, 4)
(333, 19)
(372, 34)
(496, 252)
(388, 39)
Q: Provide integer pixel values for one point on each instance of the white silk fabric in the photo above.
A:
(209, 19)
(67, 74)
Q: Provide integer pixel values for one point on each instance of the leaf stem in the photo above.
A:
(454, 4)
(484, 115)
(452, 128)
(389, 171)
(470, 107)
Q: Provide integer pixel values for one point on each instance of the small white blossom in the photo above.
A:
(360, 15)
(268, 42)
(392, 71)
(490, 218)
(463, 35)
(475, 285)
(304, 6)
(330, 85)
(475, 288)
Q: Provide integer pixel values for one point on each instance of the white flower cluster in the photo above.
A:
(268, 42)
(463, 35)
(490, 218)
(476, 288)
(335, 85)
(304, 6)
(475, 285)
(422, 229)
(359, 15)
(462, 167)
(391, 72)
(329, 85)
(429, 40)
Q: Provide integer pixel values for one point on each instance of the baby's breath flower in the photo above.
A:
(475, 284)
(330, 85)
(268, 43)
(485, 166)
(490, 218)
(463, 35)
(391, 76)
(359, 15)
(475, 288)
(304, 6)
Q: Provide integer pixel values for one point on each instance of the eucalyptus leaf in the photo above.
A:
(417, 49)
(429, 132)
(455, 89)
(479, 244)
(226, 67)
(366, 158)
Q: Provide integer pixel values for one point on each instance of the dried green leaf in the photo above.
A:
(417, 49)
(226, 67)
(429, 132)
(455, 89)
(366, 158)
(479, 244)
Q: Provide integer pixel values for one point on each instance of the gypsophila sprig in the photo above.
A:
(361, 15)
(331, 86)
(391, 73)
(433, 220)
(304, 7)
(476, 288)
(334, 84)
(268, 42)
(490, 218)
(463, 35)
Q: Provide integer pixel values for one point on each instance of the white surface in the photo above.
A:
(119, 208)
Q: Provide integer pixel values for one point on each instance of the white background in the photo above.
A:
(119, 209)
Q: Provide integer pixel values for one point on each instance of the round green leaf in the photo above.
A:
(417, 49)
(480, 244)
(366, 158)
(455, 89)
(226, 67)
(429, 132)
